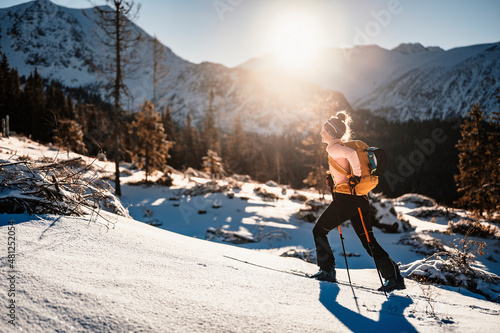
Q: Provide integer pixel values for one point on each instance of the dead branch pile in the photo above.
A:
(68, 187)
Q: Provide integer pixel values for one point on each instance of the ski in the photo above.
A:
(306, 275)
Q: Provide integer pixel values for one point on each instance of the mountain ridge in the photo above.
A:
(62, 42)
(396, 83)
(411, 81)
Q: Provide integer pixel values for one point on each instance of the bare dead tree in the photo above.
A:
(120, 38)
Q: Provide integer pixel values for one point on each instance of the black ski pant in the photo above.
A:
(345, 207)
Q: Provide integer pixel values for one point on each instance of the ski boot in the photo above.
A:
(328, 276)
(397, 283)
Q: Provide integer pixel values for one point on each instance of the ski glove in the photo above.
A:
(353, 181)
(329, 180)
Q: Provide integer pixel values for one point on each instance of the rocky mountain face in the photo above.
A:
(408, 82)
(65, 44)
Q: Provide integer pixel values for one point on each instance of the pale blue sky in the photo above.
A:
(232, 31)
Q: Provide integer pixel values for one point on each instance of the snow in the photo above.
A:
(84, 274)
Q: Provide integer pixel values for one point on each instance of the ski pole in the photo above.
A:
(371, 250)
(345, 257)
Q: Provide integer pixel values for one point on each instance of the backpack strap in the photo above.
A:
(337, 167)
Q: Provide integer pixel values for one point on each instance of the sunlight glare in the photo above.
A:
(295, 39)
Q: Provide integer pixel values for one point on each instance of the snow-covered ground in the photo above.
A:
(118, 274)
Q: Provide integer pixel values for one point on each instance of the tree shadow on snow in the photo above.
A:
(391, 318)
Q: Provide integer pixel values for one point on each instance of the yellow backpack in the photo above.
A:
(368, 178)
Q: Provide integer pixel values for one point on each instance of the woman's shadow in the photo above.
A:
(391, 318)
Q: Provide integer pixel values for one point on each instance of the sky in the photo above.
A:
(231, 32)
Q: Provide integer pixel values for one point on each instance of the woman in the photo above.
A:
(346, 205)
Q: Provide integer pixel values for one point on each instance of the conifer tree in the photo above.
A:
(168, 123)
(10, 92)
(55, 103)
(69, 135)
(150, 145)
(210, 132)
(160, 72)
(33, 119)
(237, 150)
(190, 145)
(95, 124)
(70, 110)
(212, 164)
(478, 163)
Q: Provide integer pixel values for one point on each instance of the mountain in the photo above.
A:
(62, 43)
(408, 82)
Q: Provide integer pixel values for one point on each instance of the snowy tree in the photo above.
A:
(150, 145)
(478, 182)
(213, 165)
(115, 20)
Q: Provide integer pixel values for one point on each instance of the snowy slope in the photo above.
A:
(59, 42)
(409, 82)
(116, 274)
(72, 276)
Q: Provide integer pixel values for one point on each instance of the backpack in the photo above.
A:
(373, 162)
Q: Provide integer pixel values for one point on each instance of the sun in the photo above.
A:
(295, 40)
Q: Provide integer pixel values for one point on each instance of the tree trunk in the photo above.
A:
(117, 103)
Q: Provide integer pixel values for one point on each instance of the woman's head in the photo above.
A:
(338, 127)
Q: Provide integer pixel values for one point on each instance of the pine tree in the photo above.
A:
(237, 151)
(212, 164)
(478, 163)
(115, 21)
(160, 72)
(210, 132)
(168, 123)
(70, 112)
(33, 119)
(69, 135)
(10, 92)
(150, 145)
(55, 103)
(190, 145)
(95, 125)
(494, 139)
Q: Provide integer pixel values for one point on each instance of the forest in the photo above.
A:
(423, 155)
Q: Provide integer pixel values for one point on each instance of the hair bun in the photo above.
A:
(340, 116)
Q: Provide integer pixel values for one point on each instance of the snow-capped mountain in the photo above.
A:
(408, 82)
(62, 43)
